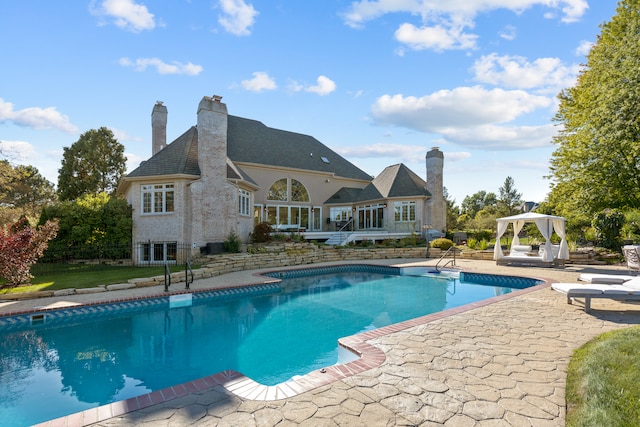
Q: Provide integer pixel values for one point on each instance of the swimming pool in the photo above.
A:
(73, 359)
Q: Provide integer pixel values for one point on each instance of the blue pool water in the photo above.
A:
(74, 359)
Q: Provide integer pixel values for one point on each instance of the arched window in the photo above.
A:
(286, 190)
(298, 192)
(278, 190)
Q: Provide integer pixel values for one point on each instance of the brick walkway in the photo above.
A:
(502, 364)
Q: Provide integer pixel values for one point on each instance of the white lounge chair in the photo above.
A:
(607, 279)
(630, 290)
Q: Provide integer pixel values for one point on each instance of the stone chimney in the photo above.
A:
(437, 205)
(212, 138)
(214, 201)
(158, 127)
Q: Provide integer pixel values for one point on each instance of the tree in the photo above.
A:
(94, 163)
(92, 220)
(595, 165)
(608, 224)
(509, 199)
(23, 192)
(453, 212)
(473, 204)
(20, 247)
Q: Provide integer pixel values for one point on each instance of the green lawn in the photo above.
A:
(86, 276)
(603, 381)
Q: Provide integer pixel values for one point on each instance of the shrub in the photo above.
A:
(442, 243)
(232, 244)
(261, 233)
(472, 243)
(409, 240)
(20, 247)
(608, 224)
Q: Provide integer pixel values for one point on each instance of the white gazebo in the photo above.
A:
(547, 224)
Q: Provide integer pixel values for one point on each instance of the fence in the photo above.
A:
(143, 254)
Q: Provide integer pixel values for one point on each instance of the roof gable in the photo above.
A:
(400, 181)
(179, 157)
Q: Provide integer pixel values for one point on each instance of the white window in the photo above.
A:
(158, 252)
(340, 213)
(244, 202)
(405, 211)
(157, 198)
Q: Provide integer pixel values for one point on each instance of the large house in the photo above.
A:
(228, 174)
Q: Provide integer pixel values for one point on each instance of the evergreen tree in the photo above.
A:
(509, 199)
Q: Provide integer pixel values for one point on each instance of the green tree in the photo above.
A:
(23, 192)
(91, 221)
(509, 199)
(473, 204)
(93, 164)
(608, 224)
(453, 212)
(595, 164)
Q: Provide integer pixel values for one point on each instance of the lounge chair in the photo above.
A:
(630, 290)
(632, 255)
(608, 279)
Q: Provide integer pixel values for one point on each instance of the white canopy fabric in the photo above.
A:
(545, 223)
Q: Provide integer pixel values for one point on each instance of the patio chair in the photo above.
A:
(632, 256)
(628, 291)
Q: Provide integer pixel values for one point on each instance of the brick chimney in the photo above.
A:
(158, 127)
(437, 205)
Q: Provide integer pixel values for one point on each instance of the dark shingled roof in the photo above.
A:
(179, 157)
(393, 182)
(400, 181)
(250, 141)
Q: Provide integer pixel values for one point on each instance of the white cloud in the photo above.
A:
(437, 38)
(443, 22)
(502, 137)
(18, 150)
(260, 82)
(462, 107)
(547, 75)
(127, 14)
(237, 17)
(162, 67)
(24, 153)
(36, 117)
(584, 48)
(323, 87)
(508, 33)
(456, 156)
(407, 153)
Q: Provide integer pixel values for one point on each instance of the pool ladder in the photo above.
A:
(451, 262)
(188, 275)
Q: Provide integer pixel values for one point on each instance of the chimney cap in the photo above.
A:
(216, 98)
(158, 102)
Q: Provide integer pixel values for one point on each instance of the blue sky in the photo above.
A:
(380, 81)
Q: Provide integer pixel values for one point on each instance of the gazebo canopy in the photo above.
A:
(547, 224)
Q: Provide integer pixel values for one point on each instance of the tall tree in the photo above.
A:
(473, 204)
(509, 199)
(453, 212)
(596, 162)
(93, 164)
(23, 193)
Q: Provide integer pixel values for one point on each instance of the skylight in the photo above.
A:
(324, 159)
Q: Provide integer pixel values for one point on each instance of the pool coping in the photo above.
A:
(242, 386)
